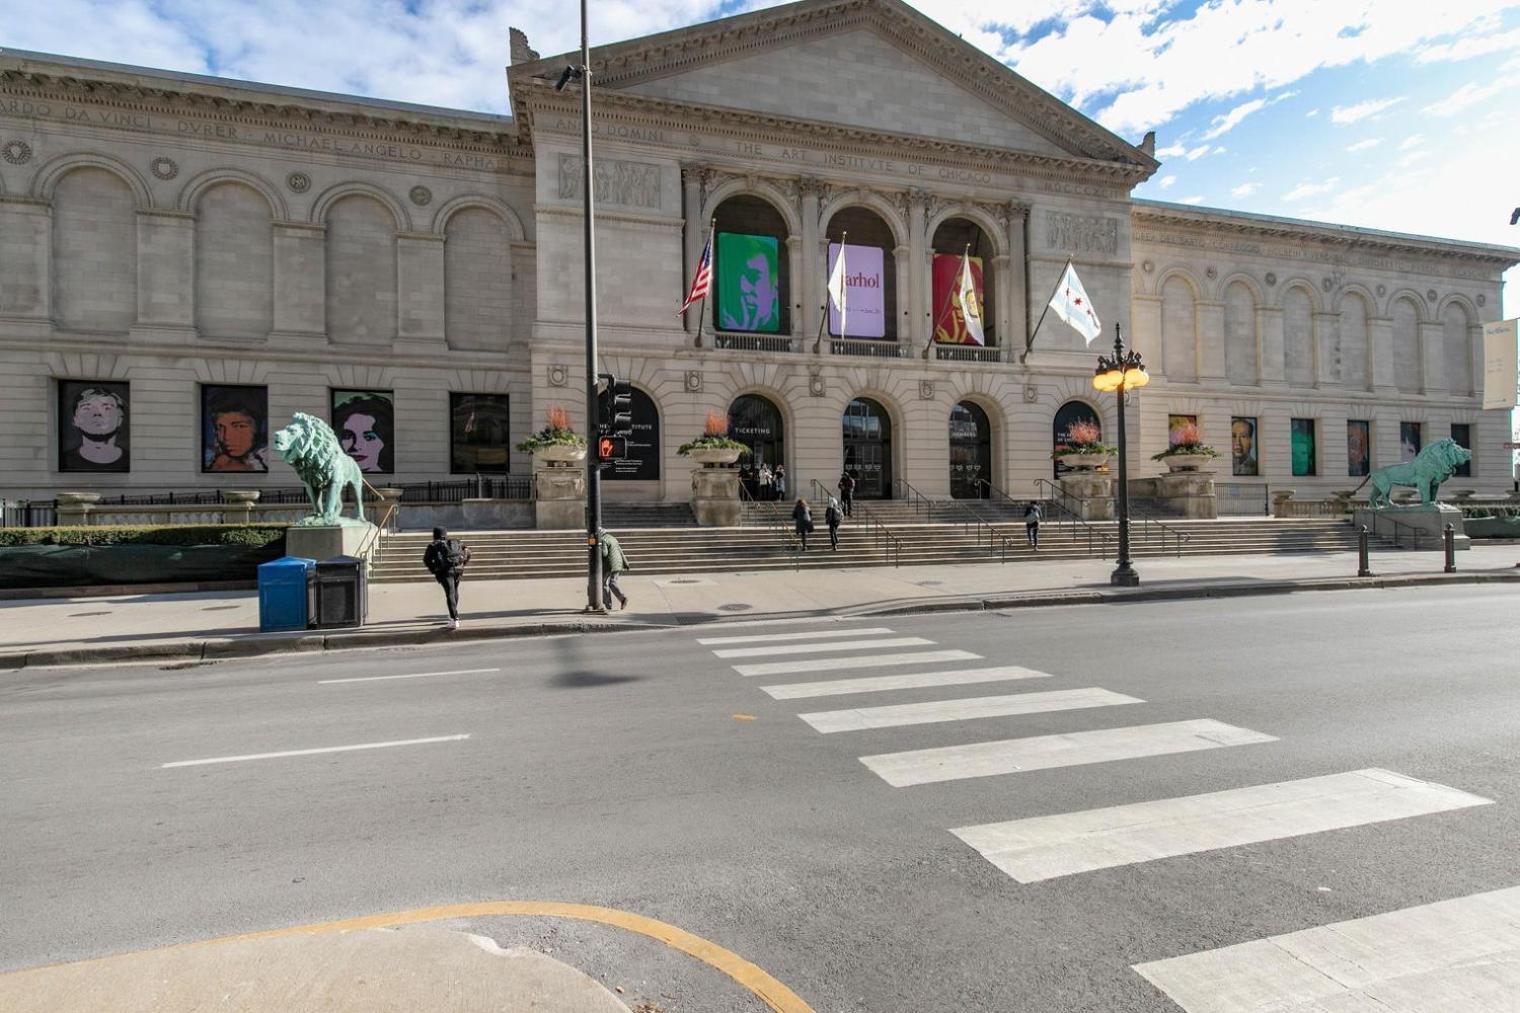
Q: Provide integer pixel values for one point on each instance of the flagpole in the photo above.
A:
(823, 317)
(1029, 341)
(702, 309)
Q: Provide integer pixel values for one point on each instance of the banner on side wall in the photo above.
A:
(949, 312)
(865, 288)
(749, 283)
(1501, 350)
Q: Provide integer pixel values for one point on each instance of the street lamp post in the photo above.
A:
(1123, 372)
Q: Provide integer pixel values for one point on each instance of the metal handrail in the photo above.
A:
(879, 531)
(968, 518)
(387, 525)
(771, 518)
(1069, 516)
(1145, 519)
(1398, 525)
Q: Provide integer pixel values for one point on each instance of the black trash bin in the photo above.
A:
(342, 592)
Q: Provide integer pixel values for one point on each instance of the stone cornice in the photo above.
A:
(656, 56)
(1186, 221)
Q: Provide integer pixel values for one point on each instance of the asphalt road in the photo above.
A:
(640, 771)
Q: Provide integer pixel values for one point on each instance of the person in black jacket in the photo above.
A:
(445, 559)
(802, 517)
(1032, 524)
(847, 492)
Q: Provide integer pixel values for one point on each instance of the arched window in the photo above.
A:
(1456, 350)
(643, 461)
(234, 263)
(870, 275)
(1406, 346)
(1298, 338)
(1179, 331)
(1240, 335)
(868, 448)
(970, 452)
(755, 421)
(1069, 413)
(477, 281)
(94, 251)
(361, 272)
(753, 284)
(953, 240)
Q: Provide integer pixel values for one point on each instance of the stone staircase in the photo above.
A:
(758, 546)
(627, 516)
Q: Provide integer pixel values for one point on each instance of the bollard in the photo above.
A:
(1451, 549)
(1362, 567)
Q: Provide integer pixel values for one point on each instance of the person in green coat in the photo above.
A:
(613, 563)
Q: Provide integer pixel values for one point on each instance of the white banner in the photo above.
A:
(1501, 349)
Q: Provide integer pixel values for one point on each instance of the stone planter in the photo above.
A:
(1083, 462)
(1187, 462)
(561, 453)
(715, 456)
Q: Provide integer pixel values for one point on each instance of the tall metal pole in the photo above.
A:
(593, 466)
(1124, 574)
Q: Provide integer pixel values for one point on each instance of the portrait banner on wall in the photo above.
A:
(1501, 363)
(234, 429)
(1181, 429)
(1358, 447)
(1303, 446)
(1243, 446)
(365, 421)
(94, 426)
(479, 428)
(749, 283)
(1411, 439)
(949, 307)
(865, 292)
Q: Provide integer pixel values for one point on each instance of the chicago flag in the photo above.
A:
(1072, 305)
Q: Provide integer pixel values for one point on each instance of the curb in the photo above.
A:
(227, 649)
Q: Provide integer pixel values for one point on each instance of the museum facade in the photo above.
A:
(185, 261)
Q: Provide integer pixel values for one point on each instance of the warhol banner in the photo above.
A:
(1501, 348)
(949, 313)
(749, 283)
(865, 292)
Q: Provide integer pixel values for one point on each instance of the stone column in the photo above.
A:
(1269, 324)
(1327, 349)
(1380, 337)
(419, 276)
(908, 272)
(695, 230)
(794, 258)
(1018, 293)
(1002, 292)
(165, 268)
(1432, 362)
(1210, 330)
(300, 282)
(1145, 332)
(919, 318)
(810, 285)
(74, 508)
(26, 239)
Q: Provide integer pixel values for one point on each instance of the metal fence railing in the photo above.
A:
(22, 513)
(1242, 499)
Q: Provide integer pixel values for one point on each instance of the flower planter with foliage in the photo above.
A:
(714, 448)
(1082, 448)
(556, 441)
(1188, 453)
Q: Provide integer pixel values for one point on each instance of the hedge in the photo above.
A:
(255, 535)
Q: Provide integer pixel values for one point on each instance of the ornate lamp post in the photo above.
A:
(1124, 371)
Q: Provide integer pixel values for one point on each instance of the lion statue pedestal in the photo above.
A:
(311, 447)
(1429, 519)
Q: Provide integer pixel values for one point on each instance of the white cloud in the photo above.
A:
(1171, 151)
(1411, 141)
(1469, 46)
(1191, 200)
(1166, 182)
(1194, 154)
(1224, 124)
(1362, 110)
(1245, 189)
(1369, 143)
(1311, 114)
(1465, 97)
(1306, 190)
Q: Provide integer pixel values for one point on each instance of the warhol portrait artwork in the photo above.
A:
(365, 421)
(1243, 446)
(1358, 447)
(234, 429)
(749, 283)
(94, 431)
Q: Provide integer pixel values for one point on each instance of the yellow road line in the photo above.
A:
(764, 987)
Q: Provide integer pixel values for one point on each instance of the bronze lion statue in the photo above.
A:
(1431, 466)
(311, 447)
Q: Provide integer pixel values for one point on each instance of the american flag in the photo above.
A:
(703, 280)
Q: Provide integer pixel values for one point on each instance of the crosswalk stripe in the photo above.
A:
(848, 645)
(860, 718)
(914, 680)
(870, 631)
(1458, 954)
(1045, 847)
(867, 661)
(1040, 752)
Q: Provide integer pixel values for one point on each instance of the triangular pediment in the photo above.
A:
(874, 65)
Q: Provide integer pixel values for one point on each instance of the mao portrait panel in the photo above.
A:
(234, 429)
(94, 426)
(365, 421)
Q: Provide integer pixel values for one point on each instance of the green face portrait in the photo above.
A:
(749, 283)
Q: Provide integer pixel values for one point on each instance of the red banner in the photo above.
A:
(949, 316)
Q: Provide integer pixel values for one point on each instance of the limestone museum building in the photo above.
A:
(185, 261)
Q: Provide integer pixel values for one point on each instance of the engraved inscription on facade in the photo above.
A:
(1081, 234)
(630, 184)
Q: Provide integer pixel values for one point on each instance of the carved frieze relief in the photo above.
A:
(1081, 233)
(625, 183)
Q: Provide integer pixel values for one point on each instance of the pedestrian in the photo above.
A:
(765, 479)
(847, 492)
(613, 563)
(445, 559)
(1032, 524)
(832, 517)
(780, 480)
(802, 517)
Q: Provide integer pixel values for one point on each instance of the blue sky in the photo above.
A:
(1393, 114)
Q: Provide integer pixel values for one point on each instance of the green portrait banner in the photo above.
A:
(749, 283)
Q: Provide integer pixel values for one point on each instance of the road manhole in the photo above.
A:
(735, 607)
(684, 580)
(928, 583)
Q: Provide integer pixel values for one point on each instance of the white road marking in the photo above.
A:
(313, 752)
(915, 680)
(848, 645)
(1461, 954)
(868, 661)
(860, 718)
(1040, 752)
(870, 631)
(1045, 847)
(414, 675)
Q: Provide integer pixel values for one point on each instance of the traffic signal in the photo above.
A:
(611, 448)
(619, 417)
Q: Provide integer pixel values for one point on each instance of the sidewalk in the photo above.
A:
(221, 625)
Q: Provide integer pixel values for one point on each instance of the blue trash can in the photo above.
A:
(284, 599)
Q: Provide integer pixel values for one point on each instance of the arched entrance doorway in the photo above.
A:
(868, 448)
(755, 421)
(970, 451)
(1069, 413)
